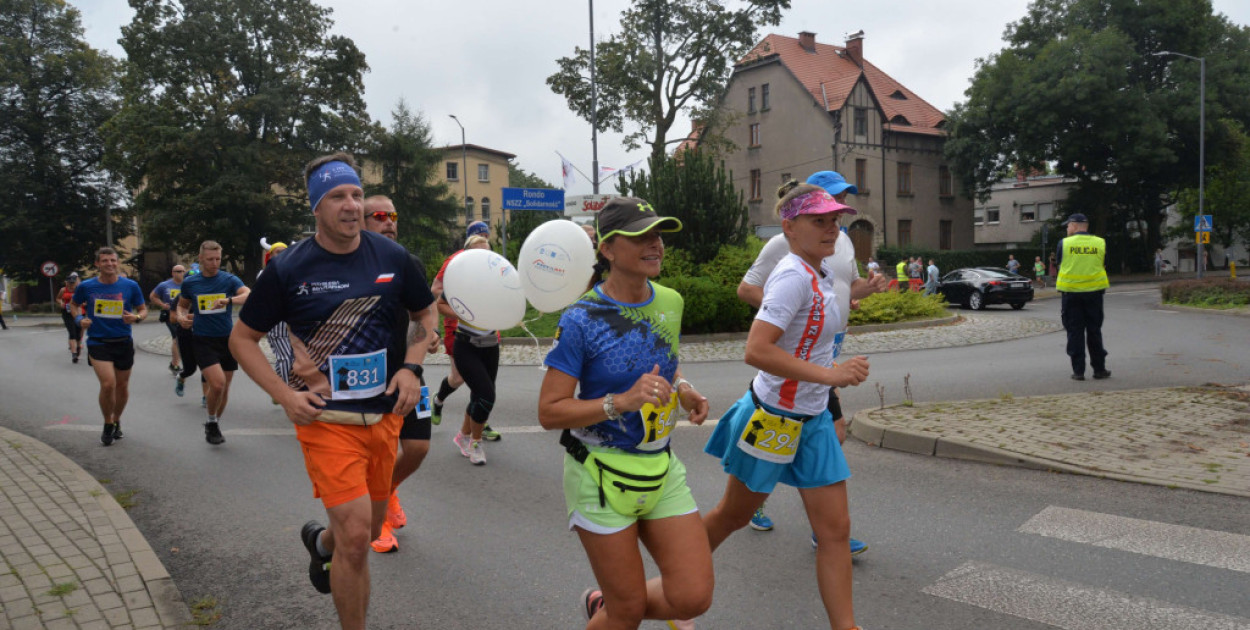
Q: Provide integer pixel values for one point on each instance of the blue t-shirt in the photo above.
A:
(203, 291)
(343, 307)
(105, 304)
(607, 346)
(168, 291)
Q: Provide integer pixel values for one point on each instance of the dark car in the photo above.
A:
(976, 287)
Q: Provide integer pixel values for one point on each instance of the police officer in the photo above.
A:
(1082, 282)
(900, 273)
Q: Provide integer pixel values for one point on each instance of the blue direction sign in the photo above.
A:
(1202, 222)
(533, 199)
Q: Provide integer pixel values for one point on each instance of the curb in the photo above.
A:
(1233, 312)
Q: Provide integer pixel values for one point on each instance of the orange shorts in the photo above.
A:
(346, 462)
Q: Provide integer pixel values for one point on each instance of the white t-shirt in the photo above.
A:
(778, 247)
(800, 301)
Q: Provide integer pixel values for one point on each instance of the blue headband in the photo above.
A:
(327, 177)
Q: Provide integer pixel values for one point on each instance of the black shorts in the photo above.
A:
(173, 329)
(210, 351)
(119, 352)
(415, 428)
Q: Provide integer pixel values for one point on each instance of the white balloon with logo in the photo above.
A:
(556, 263)
(484, 290)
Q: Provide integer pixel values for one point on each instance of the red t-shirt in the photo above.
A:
(449, 323)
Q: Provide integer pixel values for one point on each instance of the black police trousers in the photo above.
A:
(1082, 318)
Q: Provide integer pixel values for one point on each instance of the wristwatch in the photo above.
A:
(609, 408)
(415, 368)
(679, 382)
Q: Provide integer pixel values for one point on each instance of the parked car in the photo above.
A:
(977, 287)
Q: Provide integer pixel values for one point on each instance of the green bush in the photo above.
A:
(1207, 292)
(731, 263)
(709, 307)
(892, 306)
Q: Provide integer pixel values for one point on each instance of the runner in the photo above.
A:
(70, 315)
(164, 296)
(209, 296)
(613, 387)
(453, 381)
(113, 303)
(279, 336)
(339, 292)
(414, 436)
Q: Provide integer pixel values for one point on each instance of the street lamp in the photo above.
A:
(464, 167)
(1202, 133)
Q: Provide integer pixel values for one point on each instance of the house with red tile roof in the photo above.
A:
(801, 106)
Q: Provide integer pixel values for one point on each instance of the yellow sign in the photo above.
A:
(1203, 238)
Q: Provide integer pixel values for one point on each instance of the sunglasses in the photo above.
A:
(382, 215)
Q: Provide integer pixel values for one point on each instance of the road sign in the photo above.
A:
(585, 205)
(49, 269)
(1202, 238)
(1203, 223)
(533, 199)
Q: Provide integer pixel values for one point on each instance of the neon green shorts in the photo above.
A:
(581, 497)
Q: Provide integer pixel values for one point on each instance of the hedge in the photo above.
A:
(1207, 292)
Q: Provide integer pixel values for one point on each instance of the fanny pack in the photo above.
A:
(629, 483)
(331, 416)
(163, 317)
(479, 341)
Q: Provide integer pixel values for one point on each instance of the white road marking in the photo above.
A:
(1070, 605)
(1221, 550)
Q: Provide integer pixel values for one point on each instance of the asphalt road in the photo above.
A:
(953, 544)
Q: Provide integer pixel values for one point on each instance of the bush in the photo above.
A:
(1208, 292)
(892, 306)
(709, 307)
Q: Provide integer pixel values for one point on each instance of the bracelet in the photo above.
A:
(679, 382)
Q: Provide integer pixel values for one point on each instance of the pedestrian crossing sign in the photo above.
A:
(1203, 238)
(1203, 223)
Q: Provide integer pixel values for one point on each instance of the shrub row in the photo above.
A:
(1210, 292)
(892, 306)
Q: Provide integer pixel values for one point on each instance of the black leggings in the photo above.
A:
(478, 367)
(71, 326)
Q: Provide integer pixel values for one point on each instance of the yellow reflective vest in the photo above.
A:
(901, 270)
(1082, 269)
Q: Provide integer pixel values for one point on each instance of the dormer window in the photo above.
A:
(898, 95)
(900, 120)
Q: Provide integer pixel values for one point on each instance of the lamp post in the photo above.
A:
(464, 167)
(594, 107)
(1202, 133)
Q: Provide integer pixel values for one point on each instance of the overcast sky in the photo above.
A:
(486, 61)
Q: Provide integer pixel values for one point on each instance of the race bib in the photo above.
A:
(205, 303)
(108, 309)
(423, 405)
(173, 295)
(657, 424)
(356, 376)
(837, 343)
(770, 437)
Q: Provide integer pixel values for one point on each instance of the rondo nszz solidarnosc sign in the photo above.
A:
(49, 269)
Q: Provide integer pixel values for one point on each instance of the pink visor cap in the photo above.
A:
(815, 202)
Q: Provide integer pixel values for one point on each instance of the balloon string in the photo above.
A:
(538, 350)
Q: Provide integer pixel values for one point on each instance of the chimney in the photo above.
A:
(807, 41)
(855, 48)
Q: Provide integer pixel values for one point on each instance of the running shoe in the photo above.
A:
(857, 546)
(395, 512)
(212, 433)
(462, 442)
(477, 456)
(117, 430)
(180, 387)
(74, 357)
(319, 567)
(436, 418)
(386, 542)
(681, 624)
(592, 601)
(760, 522)
(106, 438)
(173, 368)
(489, 434)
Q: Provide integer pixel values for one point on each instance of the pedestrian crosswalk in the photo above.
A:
(1070, 605)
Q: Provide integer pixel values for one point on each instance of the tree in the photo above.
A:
(670, 56)
(694, 188)
(409, 165)
(224, 102)
(55, 93)
(1227, 194)
(1079, 87)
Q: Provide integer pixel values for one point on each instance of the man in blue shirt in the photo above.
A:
(165, 296)
(208, 297)
(113, 304)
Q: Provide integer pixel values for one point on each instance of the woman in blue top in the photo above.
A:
(618, 345)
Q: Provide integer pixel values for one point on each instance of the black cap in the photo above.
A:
(631, 216)
(1076, 217)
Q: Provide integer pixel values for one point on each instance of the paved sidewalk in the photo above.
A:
(1183, 437)
(70, 557)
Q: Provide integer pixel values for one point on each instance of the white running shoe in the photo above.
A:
(477, 456)
(462, 442)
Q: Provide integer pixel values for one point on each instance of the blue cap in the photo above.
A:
(1076, 217)
(833, 182)
(477, 227)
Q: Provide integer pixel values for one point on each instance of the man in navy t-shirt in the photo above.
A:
(165, 295)
(112, 304)
(338, 292)
(204, 307)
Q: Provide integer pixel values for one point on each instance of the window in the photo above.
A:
(861, 176)
(978, 216)
(755, 135)
(764, 97)
(486, 209)
(991, 215)
(468, 210)
(861, 121)
(453, 171)
(904, 232)
(1028, 212)
(756, 188)
(750, 100)
(946, 187)
(945, 230)
(904, 178)
(1045, 211)
(483, 172)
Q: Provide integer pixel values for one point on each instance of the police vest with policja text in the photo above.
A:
(1082, 268)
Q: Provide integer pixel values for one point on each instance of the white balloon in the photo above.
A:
(484, 290)
(556, 263)
(845, 272)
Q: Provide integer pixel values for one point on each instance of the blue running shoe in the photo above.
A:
(180, 387)
(857, 546)
(760, 522)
